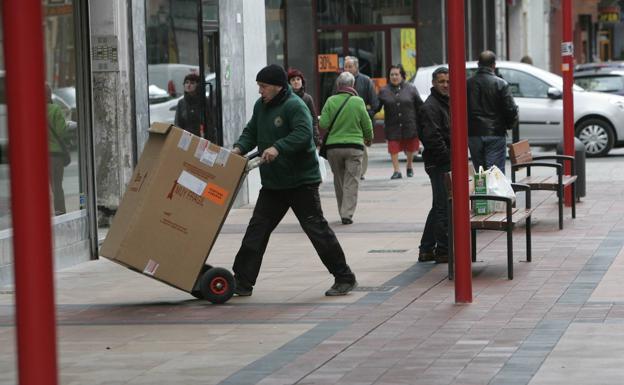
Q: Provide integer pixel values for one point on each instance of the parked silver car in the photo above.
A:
(598, 117)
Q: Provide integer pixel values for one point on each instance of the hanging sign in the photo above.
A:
(328, 62)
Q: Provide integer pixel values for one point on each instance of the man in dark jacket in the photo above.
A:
(366, 90)
(435, 133)
(491, 112)
(281, 128)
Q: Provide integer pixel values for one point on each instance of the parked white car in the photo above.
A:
(164, 80)
(598, 117)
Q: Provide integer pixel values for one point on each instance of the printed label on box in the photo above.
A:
(216, 194)
(209, 157)
(192, 182)
(185, 140)
(224, 155)
(201, 146)
(151, 267)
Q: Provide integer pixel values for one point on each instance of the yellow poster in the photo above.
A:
(408, 51)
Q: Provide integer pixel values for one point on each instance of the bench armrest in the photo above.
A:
(515, 167)
(561, 158)
(508, 202)
(527, 192)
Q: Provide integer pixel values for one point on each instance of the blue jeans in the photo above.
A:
(487, 151)
(435, 234)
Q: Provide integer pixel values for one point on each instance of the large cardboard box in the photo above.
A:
(174, 207)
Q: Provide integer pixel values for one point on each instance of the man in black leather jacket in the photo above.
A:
(491, 112)
(434, 128)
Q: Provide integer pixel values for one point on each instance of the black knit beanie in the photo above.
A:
(274, 75)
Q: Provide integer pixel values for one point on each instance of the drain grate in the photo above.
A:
(380, 251)
(376, 289)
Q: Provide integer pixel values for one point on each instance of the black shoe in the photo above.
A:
(410, 172)
(441, 258)
(396, 175)
(347, 221)
(340, 288)
(362, 177)
(242, 290)
(426, 256)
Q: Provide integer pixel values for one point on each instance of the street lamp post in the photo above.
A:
(30, 204)
(567, 68)
(459, 152)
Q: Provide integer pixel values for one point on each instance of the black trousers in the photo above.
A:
(271, 207)
(435, 234)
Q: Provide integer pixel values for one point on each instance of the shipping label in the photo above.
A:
(223, 157)
(216, 194)
(191, 182)
(201, 147)
(185, 140)
(209, 157)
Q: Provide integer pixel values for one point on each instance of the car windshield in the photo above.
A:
(551, 78)
(601, 83)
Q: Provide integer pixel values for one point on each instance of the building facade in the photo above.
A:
(114, 67)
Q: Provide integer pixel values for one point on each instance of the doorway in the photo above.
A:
(376, 47)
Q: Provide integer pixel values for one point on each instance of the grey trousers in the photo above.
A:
(364, 161)
(56, 183)
(346, 165)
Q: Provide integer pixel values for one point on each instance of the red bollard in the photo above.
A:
(30, 204)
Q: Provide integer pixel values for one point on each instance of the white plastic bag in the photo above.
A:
(498, 184)
(322, 167)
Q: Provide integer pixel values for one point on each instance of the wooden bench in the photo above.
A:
(501, 221)
(521, 157)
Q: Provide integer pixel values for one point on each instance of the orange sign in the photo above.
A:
(328, 62)
(215, 193)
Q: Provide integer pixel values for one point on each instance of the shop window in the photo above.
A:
(63, 130)
(275, 35)
(335, 12)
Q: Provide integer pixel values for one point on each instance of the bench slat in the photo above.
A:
(547, 182)
(498, 220)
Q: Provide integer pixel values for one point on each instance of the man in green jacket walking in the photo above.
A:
(281, 128)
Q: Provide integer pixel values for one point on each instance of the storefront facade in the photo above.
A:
(314, 36)
(114, 67)
(72, 190)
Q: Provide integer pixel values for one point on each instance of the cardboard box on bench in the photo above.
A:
(174, 206)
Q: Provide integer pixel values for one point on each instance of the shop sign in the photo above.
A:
(609, 14)
(408, 51)
(328, 63)
(59, 10)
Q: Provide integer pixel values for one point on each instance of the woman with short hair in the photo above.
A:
(400, 101)
(350, 129)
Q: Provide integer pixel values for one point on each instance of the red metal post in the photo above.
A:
(567, 68)
(459, 151)
(30, 202)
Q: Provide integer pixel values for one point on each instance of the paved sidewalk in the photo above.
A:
(561, 320)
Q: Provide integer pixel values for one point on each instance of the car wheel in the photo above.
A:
(597, 136)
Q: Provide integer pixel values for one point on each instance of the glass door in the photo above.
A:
(330, 52)
(211, 74)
